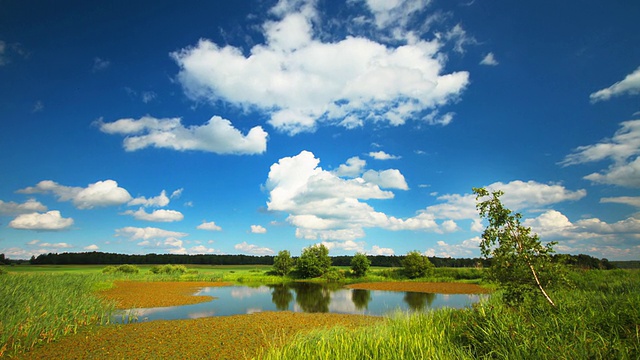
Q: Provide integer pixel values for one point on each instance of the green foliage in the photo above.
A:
(283, 263)
(314, 261)
(168, 269)
(360, 264)
(121, 269)
(333, 275)
(2, 270)
(416, 265)
(520, 264)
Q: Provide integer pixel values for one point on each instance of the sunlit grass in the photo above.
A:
(597, 318)
(40, 308)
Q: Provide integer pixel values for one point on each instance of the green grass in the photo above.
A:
(597, 318)
(40, 308)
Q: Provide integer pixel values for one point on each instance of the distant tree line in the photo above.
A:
(103, 258)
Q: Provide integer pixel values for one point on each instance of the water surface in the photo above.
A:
(303, 297)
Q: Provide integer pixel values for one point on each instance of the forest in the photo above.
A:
(103, 258)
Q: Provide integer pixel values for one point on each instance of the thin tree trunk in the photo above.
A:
(535, 276)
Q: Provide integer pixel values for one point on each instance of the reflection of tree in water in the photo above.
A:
(417, 301)
(281, 296)
(312, 297)
(361, 298)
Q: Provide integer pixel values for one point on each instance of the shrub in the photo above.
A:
(334, 275)
(168, 269)
(416, 265)
(2, 270)
(124, 269)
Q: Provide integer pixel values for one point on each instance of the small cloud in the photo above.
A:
(157, 201)
(257, 229)
(253, 249)
(381, 155)
(92, 247)
(377, 250)
(37, 107)
(629, 85)
(148, 96)
(160, 215)
(100, 64)
(176, 194)
(211, 226)
(434, 119)
(489, 60)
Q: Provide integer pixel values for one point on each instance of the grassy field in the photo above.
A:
(596, 317)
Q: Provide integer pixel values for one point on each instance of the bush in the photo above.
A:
(334, 275)
(168, 269)
(121, 269)
(416, 265)
(2, 270)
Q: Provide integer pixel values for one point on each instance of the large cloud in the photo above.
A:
(217, 135)
(622, 149)
(324, 206)
(301, 81)
(49, 221)
(99, 194)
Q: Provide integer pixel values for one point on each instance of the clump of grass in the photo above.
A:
(121, 269)
(40, 308)
(400, 337)
(2, 270)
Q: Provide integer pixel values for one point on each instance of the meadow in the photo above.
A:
(52, 310)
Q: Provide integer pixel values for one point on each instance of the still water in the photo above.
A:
(301, 297)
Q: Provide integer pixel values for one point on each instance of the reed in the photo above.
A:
(40, 308)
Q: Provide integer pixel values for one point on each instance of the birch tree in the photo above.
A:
(520, 264)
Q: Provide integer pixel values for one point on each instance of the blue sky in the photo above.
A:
(250, 127)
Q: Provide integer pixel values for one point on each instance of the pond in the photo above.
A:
(300, 297)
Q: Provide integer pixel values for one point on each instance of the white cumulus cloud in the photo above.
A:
(49, 221)
(217, 135)
(98, 194)
(160, 215)
(258, 229)
(147, 233)
(323, 206)
(27, 207)
(301, 81)
(253, 249)
(623, 150)
(211, 226)
(156, 201)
